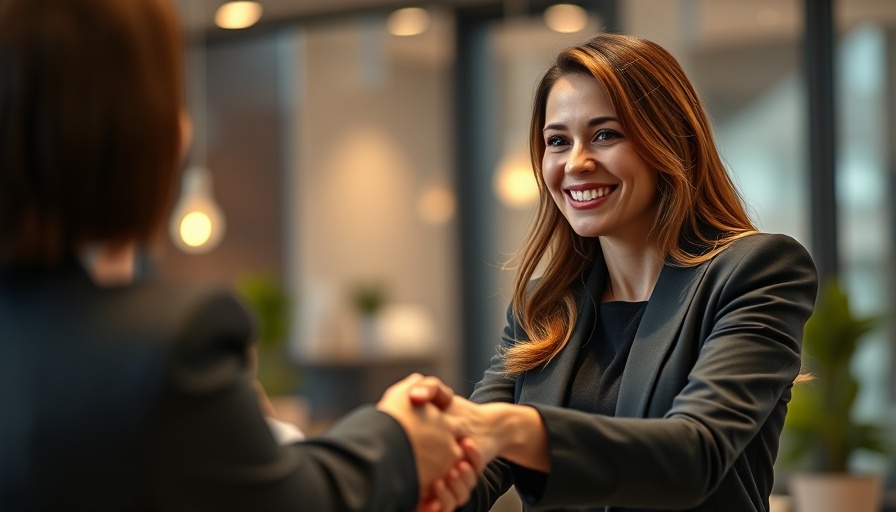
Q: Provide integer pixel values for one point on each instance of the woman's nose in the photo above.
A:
(580, 160)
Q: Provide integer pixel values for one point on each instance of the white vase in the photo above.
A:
(369, 335)
(836, 492)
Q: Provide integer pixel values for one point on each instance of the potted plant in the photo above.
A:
(265, 296)
(820, 432)
(368, 299)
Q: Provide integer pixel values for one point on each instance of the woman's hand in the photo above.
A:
(513, 432)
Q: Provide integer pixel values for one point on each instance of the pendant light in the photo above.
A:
(238, 14)
(197, 223)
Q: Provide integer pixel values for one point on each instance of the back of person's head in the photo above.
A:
(91, 97)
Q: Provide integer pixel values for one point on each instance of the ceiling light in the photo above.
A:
(565, 18)
(410, 21)
(235, 15)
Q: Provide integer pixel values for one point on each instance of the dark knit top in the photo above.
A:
(595, 384)
(594, 387)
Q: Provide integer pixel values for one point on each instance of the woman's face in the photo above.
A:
(598, 180)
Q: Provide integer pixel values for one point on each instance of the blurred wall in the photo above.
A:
(369, 135)
(242, 130)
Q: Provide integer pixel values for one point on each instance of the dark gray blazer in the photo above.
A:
(137, 398)
(702, 399)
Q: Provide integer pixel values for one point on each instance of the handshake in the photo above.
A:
(453, 439)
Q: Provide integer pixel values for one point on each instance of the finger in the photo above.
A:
(473, 454)
(467, 473)
(432, 390)
(430, 505)
(421, 394)
(408, 381)
(400, 388)
(457, 482)
(458, 451)
(443, 496)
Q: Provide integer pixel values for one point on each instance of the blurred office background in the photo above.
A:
(358, 154)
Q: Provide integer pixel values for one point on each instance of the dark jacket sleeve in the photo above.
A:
(209, 447)
(495, 386)
(758, 297)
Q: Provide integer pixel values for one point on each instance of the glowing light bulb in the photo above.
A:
(195, 229)
(237, 15)
(197, 224)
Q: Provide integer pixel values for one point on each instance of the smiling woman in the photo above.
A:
(660, 342)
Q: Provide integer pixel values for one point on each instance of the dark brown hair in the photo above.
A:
(661, 114)
(91, 95)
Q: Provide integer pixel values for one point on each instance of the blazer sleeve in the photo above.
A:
(495, 386)
(209, 447)
(762, 291)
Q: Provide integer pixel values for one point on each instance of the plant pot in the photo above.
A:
(836, 492)
(369, 335)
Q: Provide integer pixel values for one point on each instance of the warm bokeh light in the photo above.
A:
(514, 182)
(409, 21)
(197, 223)
(565, 18)
(236, 15)
(436, 204)
(195, 229)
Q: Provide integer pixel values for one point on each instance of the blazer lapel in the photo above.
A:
(656, 334)
(548, 385)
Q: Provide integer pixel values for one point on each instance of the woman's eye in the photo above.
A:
(555, 140)
(604, 135)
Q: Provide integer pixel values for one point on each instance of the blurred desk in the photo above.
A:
(334, 387)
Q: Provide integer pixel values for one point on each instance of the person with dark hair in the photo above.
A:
(122, 395)
(650, 362)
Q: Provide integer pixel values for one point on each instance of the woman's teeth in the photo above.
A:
(588, 195)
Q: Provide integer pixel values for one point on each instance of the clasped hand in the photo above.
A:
(447, 461)
(454, 438)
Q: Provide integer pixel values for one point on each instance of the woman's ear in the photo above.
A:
(186, 133)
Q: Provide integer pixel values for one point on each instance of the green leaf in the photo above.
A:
(264, 293)
(819, 426)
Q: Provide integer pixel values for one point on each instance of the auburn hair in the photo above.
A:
(662, 116)
(91, 96)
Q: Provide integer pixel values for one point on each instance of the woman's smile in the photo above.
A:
(585, 196)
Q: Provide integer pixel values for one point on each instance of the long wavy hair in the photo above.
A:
(662, 116)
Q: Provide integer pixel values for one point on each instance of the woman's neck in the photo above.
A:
(632, 271)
